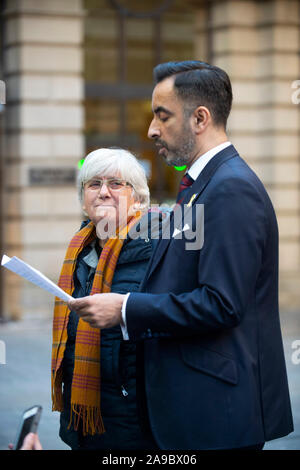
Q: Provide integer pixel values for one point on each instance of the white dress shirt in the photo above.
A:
(194, 172)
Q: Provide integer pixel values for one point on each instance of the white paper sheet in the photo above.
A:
(23, 269)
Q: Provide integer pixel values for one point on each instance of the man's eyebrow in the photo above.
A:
(161, 109)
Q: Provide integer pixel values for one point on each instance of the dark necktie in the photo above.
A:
(185, 183)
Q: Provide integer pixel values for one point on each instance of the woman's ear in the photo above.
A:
(83, 208)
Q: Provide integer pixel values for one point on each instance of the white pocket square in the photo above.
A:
(177, 231)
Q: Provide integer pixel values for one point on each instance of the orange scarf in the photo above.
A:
(85, 395)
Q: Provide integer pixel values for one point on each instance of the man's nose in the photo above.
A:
(153, 131)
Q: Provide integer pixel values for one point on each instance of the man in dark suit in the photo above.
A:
(214, 374)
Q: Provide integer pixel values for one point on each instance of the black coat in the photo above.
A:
(118, 358)
(215, 374)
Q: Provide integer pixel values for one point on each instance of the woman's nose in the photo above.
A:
(104, 191)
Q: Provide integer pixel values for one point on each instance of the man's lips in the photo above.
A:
(161, 148)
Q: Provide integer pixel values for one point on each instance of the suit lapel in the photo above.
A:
(195, 189)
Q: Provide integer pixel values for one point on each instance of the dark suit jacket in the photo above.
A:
(214, 367)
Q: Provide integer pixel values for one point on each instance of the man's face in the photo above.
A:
(170, 129)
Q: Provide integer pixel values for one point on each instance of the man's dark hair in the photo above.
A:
(199, 84)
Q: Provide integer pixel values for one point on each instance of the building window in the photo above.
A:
(124, 40)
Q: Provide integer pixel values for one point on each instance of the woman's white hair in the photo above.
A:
(111, 162)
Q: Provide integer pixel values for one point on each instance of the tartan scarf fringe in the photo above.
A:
(91, 419)
(90, 416)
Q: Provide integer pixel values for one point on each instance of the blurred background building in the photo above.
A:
(78, 76)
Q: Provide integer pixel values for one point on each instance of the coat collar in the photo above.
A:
(208, 171)
(195, 190)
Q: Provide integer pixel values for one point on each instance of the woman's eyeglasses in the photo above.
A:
(114, 184)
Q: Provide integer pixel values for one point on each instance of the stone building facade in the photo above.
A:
(46, 116)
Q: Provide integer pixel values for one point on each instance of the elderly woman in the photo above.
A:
(93, 373)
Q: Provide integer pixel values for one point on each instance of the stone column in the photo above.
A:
(257, 43)
(44, 140)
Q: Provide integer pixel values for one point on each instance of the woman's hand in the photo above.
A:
(99, 310)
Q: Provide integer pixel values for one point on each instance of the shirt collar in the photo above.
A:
(92, 258)
(202, 161)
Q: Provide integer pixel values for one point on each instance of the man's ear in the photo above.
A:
(201, 118)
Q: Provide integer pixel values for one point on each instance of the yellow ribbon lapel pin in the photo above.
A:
(191, 200)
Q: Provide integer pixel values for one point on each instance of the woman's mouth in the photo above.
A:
(103, 210)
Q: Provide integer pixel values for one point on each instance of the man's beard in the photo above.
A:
(180, 154)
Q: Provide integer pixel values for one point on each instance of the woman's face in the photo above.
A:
(108, 202)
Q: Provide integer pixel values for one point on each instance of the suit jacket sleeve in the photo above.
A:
(236, 231)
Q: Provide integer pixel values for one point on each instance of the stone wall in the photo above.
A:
(257, 43)
(43, 125)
